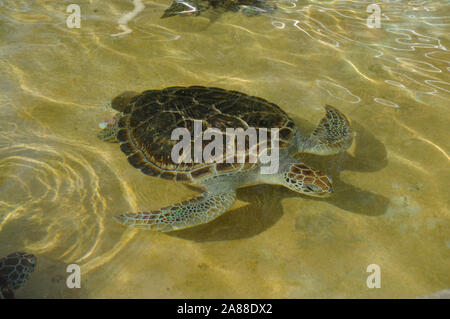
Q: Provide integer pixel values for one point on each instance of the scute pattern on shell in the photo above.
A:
(148, 121)
(15, 269)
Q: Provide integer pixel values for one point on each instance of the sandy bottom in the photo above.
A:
(60, 186)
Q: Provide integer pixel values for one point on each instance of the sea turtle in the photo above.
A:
(196, 7)
(15, 269)
(144, 127)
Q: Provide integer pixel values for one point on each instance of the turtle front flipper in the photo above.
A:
(257, 7)
(196, 211)
(333, 135)
(189, 7)
(15, 269)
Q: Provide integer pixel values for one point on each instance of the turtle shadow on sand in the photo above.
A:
(265, 208)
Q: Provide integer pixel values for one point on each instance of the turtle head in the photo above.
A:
(303, 179)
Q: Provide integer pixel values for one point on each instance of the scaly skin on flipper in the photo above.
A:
(333, 135)
(196, 211)
(144, 130)
(15, 269)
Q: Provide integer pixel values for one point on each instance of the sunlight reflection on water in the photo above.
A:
(60, 186)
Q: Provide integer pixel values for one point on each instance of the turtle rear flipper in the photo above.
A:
(109, 130)
(333, 135)
(196, 211)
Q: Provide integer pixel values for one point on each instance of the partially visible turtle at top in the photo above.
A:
(15, 269)
(144, 125)
(196, 7)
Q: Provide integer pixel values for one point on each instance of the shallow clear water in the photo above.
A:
(60, 186)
